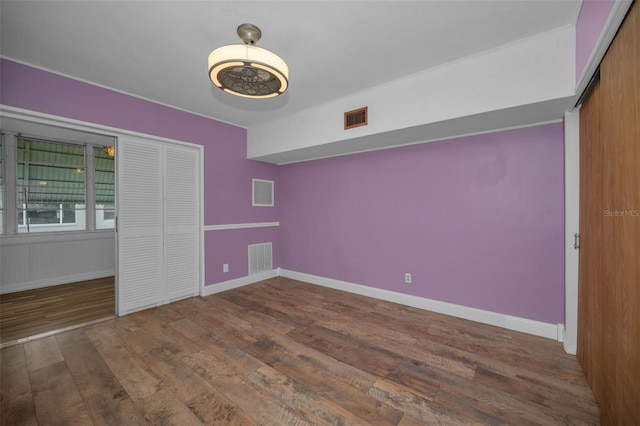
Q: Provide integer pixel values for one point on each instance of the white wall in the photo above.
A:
(527, 72)
(41, 260)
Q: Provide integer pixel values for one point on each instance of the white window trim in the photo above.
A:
(77, 221)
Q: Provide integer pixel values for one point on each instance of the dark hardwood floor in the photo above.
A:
(282, 352)
(33, 312)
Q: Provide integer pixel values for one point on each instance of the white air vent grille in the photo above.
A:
(260, 258)
(262, 192)
(356, 118)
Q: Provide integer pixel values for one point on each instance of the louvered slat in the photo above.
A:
(140, 227)
(182, 219)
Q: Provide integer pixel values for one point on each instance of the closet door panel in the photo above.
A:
(140, 277)
(139, 224)
(182, 221)
(183, 278)
(609, 274)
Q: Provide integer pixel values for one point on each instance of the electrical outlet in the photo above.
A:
(225, 268)
(407, 278)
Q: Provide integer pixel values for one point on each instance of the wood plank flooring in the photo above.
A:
(282, 352)
(33, 312)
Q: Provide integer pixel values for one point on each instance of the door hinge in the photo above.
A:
(576, 241)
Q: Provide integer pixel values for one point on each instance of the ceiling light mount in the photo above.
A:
(249, 33)
(247, 70)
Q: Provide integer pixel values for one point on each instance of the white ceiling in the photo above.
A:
(158, 49)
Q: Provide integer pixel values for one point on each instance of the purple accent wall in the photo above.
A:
(227, 172)
(478, 221)
(591, 19)
(230, 246)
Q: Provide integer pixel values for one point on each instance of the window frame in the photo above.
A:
(100, 222)
(22, 208)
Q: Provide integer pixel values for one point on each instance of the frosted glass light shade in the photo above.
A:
(248, 71)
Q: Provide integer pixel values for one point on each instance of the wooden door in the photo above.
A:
(609, 271)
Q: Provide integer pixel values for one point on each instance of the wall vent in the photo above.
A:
(356, 118)
(262, 192)
(260, 258)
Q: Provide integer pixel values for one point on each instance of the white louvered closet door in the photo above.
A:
(140, 224)
(159, 224)
(182, 221)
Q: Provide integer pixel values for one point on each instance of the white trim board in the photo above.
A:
(536, 328)
(239, 282)
(56, 237)
(54, 332)
(84, 126)
(240, 226)
(571, 227)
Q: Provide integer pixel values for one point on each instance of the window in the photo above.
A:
(55, 186)
(50, 186)
(104, 188)
(58, 179)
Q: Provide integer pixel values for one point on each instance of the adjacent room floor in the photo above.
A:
(285, 352)
(34, 312)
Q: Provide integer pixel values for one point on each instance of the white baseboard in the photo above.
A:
(536, 328)
(570, 347)
(67, 279)
(238, 282)
(523, 325)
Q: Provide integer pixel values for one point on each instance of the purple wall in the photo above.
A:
(227, 172)
(229, 242)
(591, 20)
(478, 221)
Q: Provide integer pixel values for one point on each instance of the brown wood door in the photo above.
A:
(609, 271)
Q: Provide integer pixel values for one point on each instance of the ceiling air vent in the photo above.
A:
(356, 118)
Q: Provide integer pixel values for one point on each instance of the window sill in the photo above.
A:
(51, 237)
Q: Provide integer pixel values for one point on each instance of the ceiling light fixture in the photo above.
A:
(247, 70)
(109, 150)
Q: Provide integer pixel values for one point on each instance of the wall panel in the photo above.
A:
(36, 261)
